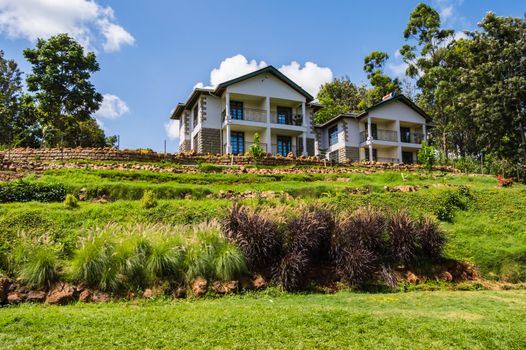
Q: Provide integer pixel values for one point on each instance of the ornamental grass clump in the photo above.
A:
(149, 200)
(402, 232)
(431, 239)
(291, 272)
(257, 237)
(39, 266)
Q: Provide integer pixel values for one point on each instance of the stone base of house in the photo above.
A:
(185, 146)
(208, 141)
(345, 154)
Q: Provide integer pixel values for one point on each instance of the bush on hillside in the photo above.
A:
(23, 191)
(402, 233)
(148, 200)
(38, 266)
(258, 238)
(71, 202)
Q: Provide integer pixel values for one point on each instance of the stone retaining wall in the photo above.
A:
(24, 155)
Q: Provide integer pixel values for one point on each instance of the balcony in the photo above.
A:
(286, 119)
(249, 114)
(412, 137)
(381, 135)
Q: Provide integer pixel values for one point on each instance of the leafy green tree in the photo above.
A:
(339, 96)
(255, 150)
(427, 156)
(18, 124)
(381, 83)
(63, 92)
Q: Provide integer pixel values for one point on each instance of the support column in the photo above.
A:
(399, 139)
(370, 138)
(424, 131)
(227, 119)
(304, 124)
(268, 139)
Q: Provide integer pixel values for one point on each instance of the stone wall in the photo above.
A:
(25, 155)
(208, 141)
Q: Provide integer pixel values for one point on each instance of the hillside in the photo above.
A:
(487, 225)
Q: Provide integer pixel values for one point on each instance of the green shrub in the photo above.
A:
(71, 202)
(427, 155)
(23, 191)
(209, 168)
(165, 260)
(40, 268)
(229, 262)
(148, 200)
(255, 150)
(93, 263)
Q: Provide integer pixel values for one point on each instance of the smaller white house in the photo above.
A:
(391, 131)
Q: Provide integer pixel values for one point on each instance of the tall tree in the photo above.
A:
(18, 123)
(425, 59)
(339, 96)
(381, 83)
(63, 92)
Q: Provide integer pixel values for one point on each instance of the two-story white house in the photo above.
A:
(390, 131)
(224, 120)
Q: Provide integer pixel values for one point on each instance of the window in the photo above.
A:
(285, 115)
(333, 135)
(405, 134)
(196, 114)
(236, 110)
(237, 142)
(284, 145)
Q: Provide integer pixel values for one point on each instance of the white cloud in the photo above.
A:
(112, 107)
(172, 129)
(310, 77)
(398, 69)
(446, 13)
(84, 20)
(234, 67)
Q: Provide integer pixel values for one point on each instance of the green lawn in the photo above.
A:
(416, 320)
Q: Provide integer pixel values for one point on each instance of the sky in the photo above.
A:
(153, 53)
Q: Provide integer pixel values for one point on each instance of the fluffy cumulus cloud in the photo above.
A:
(449, 13)
(85, 20)
(112, 107)
(172, 129)
(310, 77)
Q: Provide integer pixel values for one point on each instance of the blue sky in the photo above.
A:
(152, 53)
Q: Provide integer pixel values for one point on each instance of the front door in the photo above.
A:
(405, 134)
(284, 145)
(237, 142)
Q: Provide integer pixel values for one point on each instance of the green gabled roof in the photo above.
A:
(269, 69)
(402, 99)
(221, 88)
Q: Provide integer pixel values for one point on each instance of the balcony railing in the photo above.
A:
(284, 150)
(382, 135)
(392, 136)
(290, 119)
(412, 137)
(250, 114)
(260, 115)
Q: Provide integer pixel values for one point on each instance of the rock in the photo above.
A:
(411, 278)
(100, 297)
(85, 296)
(62, 294)
(199, 286)
(445, 276)
(5, 284)
(258, 282)
(179, 293)
(228, 287)
(405, 188)
(148, 293)
(15, 298)
(36, 296)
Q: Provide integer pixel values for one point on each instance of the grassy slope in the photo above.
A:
(492, 233)
(436, 320)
